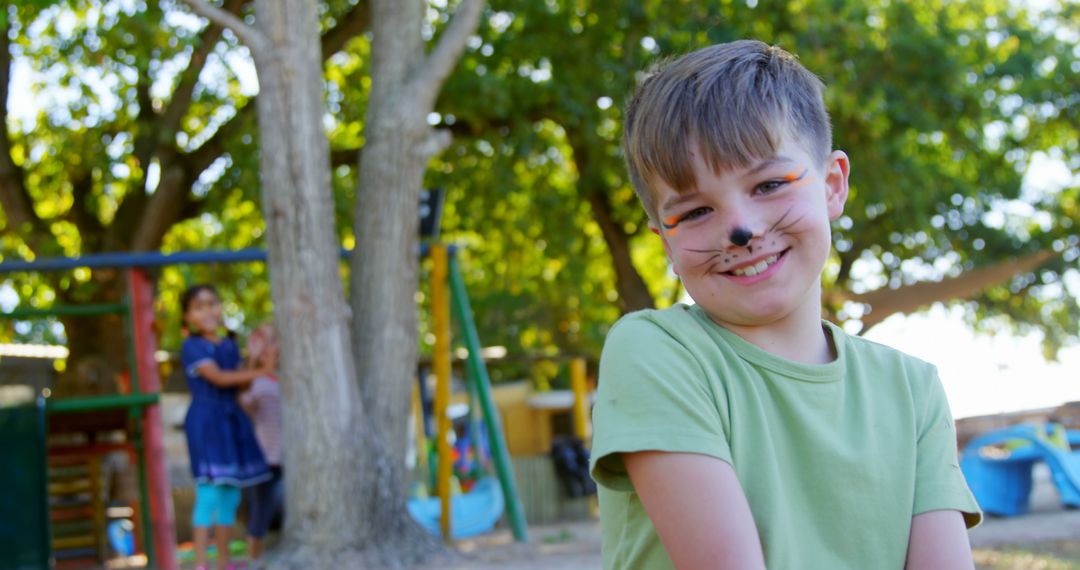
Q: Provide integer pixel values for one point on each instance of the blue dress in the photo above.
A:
(221, 441)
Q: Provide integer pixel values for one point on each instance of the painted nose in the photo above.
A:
(740, 236)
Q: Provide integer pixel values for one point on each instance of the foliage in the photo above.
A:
(948, 110)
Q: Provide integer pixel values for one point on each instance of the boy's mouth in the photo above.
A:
(761, 266)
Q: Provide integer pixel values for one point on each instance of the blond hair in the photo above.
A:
(734, 101)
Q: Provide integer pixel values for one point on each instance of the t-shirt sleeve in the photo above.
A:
(939, 483)
(652, 396)
(194, 352)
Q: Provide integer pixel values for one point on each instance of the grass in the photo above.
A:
(1055, 555)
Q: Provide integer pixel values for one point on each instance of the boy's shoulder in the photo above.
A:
(677, 323)
(876, 350)
(677, 317)
(872, 355)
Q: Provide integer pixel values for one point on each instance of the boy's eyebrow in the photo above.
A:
(767, 163)
(689, 195)
(678, 199)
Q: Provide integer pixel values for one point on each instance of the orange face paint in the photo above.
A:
(670, 224)
(793, 177)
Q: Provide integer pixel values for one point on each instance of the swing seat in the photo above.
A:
(471, 513)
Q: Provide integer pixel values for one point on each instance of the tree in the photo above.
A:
(146, 148)
(943, 110)
(330, 411)
(384, 269)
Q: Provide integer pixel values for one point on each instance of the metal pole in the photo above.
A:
(582, 429)
(441, 357)
(503, 468)
(160, 500)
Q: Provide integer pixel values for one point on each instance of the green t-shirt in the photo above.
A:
(835, 458)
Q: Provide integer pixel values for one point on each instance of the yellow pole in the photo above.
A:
(440, 301)
(582, 428)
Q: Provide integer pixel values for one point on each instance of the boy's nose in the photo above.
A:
(740, 236)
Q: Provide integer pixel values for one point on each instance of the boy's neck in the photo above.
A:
(799, 338)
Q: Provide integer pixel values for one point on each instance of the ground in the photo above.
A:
(1047, 538)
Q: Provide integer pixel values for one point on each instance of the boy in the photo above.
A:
(744, 431)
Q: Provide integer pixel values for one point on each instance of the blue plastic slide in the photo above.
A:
(472, 513)
(998, 467)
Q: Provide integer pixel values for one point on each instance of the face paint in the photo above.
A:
(741, 236)
(670, 225)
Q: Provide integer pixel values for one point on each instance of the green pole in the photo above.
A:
(144, 491)
(479, 377)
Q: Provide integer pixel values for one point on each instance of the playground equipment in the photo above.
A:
(141, 409)
(75, 509)
(998, 466)
(477, 510)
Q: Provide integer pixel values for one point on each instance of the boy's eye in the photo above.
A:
(695, 213)
(770, 186)
(775, 184)
(673, 221)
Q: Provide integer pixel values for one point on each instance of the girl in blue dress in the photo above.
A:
(225, 455)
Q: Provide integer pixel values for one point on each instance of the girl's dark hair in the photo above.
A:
(191, 292)
(188, 296)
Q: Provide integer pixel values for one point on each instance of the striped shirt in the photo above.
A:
(262, 401)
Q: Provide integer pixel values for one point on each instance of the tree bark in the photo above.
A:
(326, 432)
(633, 292)
(385, 265)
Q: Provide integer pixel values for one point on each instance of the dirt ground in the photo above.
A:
(1047, 538)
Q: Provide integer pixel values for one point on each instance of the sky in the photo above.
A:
(981, 374)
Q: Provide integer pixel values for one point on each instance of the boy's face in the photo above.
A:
(749, 244)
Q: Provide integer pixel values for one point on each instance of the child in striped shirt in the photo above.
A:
(262, 401)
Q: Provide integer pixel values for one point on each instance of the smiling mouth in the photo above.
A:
(759, 267)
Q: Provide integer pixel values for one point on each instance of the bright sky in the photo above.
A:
(983, 374)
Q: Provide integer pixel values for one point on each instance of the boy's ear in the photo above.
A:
(837, 168)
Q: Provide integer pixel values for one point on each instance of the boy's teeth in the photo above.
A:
(758, 267)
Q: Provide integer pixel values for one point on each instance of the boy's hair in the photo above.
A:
(734, 101)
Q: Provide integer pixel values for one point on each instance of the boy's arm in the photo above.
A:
(698, 508)
(938, 540)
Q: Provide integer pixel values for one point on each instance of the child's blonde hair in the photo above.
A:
(734, 101)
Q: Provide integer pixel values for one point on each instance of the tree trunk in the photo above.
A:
(98, 345)
(328, 439)
(633, 292)
(385, 266)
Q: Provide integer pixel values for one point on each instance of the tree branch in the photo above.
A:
(90, 227)
(163, 210)
(349, 25)
(181, 99)
(252, 38)
(441, 61)
(885, 301)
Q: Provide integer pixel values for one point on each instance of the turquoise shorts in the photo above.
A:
(215, 505)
